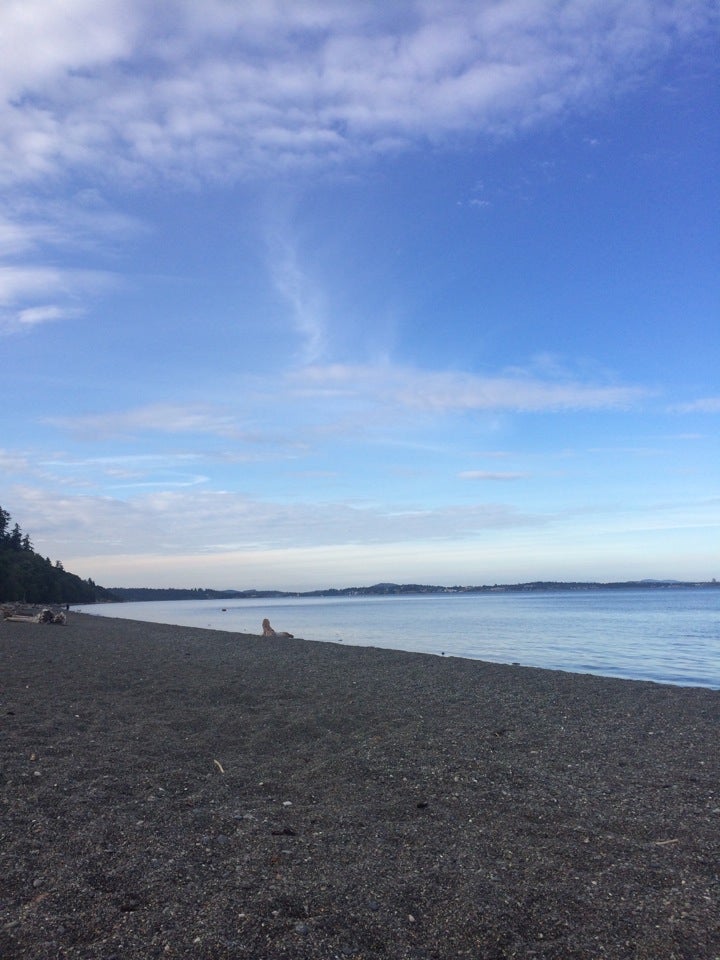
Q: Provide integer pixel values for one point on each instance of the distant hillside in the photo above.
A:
(391, 590)
(27, 577)
(195, 593)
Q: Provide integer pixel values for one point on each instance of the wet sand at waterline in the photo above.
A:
(174, 792)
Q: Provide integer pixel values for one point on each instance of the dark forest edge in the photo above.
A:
(26, 577)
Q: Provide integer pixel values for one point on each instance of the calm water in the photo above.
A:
(670, 636)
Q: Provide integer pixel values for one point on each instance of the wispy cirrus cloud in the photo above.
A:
(702, 405)
(304, 298)
(39, 225)
(30, 317)
(12, 461)
(494, 475)
(165, 418)
(36, 289)
(457, 391)
(19, 282)
(33, 295)
(353, 401)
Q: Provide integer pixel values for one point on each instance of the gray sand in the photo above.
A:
(171, 792)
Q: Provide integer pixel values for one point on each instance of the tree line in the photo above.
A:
(27, 577)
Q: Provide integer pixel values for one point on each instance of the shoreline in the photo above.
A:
(507, 639)
(171, 791)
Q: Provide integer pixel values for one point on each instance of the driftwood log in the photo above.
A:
(269, 632)
(24, 614)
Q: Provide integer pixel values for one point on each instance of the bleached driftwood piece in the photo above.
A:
(269, 632)
(21, 614)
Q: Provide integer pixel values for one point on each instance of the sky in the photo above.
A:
(309, 294)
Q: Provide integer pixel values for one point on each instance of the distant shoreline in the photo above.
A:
(135, 594)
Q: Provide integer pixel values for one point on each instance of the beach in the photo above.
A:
(175, 792)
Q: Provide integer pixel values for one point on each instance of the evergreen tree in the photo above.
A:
(27, 577)
(4, 521)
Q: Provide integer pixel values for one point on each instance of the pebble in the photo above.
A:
(302, 928)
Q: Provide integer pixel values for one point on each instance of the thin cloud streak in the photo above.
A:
(491, 475)
(166, 418)
(703, 405)
(307, 313)
(34, 295)
(355, 402)
(441, 392)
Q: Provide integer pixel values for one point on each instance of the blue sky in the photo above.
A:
(316, 294)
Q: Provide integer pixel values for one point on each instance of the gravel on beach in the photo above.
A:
(168, 792)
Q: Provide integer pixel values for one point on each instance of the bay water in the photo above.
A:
(666, 635)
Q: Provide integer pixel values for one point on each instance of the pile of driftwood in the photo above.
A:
(23, 614)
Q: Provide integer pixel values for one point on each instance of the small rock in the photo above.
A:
(302, 928)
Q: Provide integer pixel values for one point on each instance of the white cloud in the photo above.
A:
(218, 522)
(34, 316)
(703, 405)
(32, 231)
(293, 414)
(37, 223)
(19, 282)
(13, 462)
(303, 297)
(41, 40)
(182, 538)
(33, 295)
(165, 418)
(491, 475)
(229, 89)
(17, 237)
(135, 92)
(296, 414)
(446, 392)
